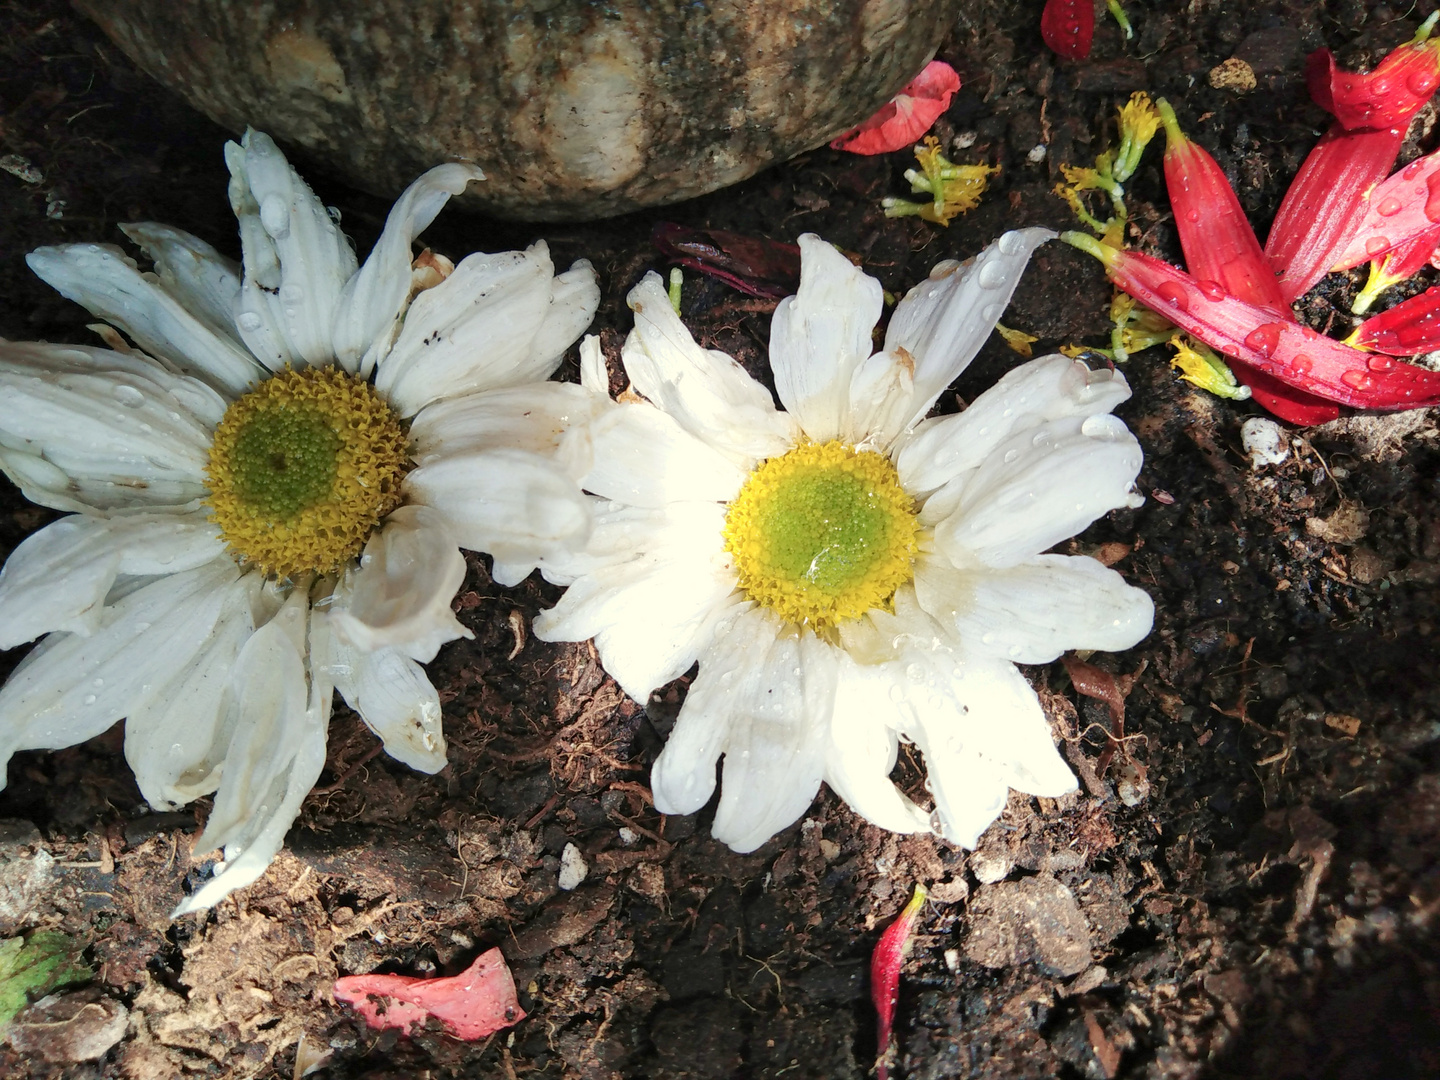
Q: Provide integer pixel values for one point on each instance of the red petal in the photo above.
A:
(751, 264)
(902, 121)
(1406, 329)
(1287, 351)
(476, 1003)
(1396, 211)
(1215, 234)
(1289, 404)
(1325, 204)
(1389, 96)
(885, 964)
(1067, 27)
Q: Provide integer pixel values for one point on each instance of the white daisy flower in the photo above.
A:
(267, 501)
(847, 573)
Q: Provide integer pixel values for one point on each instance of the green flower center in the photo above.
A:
(822, 534)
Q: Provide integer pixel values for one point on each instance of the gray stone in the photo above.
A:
(574, 109)
(1034, 920)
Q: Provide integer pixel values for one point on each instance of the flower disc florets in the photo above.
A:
(303, 468)
(822, 534)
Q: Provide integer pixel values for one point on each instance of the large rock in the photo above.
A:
(574, 108)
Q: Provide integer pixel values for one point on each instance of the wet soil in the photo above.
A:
(1247, 884)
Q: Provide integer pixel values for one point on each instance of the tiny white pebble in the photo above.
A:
(1265, 442)
(628, 836)
(1037, 154)
(952, 959)
(964, 140)
(572, 867)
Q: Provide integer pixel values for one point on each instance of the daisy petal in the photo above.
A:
(479, 328)
(368, 314)
(517, 506)
(175, 741)
(104, 429)
(396, 700)
(706, 391)
(296, 259)
(1033, 612)
(1049, 388)
(643, 457)
(400, 595)
(650, 614)
(1034, 491)
(71, 688)
(943, 321)
(537, 418)
(574, 298)
(819, 337)
(205, 282)
(863, 748)
(101, 279)
(58, 578)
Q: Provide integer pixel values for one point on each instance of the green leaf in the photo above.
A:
(32, 967)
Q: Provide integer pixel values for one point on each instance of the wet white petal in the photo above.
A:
(594, 374)
(574, 298)
(1039, 487)
(399, 596)
(368, 314)
(296, 259)
(516, 505)
(1048, 388)
(706, 391)
(120, 430)
(205, 282)
(820, 336)
(643, 457)
(653, 585)
(943, 321)
(175, 741)
(394, 697)
(1032, 612)
(478, 329)
(58, 578)
(536, 417)
(105, 282)
(71, 688)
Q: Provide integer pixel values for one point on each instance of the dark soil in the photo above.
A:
(1249, 890)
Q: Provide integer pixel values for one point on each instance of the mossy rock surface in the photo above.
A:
(574, 109)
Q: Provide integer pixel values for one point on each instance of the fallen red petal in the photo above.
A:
(753, 265)
(1406, 329)
(912, 112)
(1326, 203)
(1389, 96)
(472, 1005)
(885, 964)
(1068, 27)
(1287, 351)
(1290, 404)
(1397, 210)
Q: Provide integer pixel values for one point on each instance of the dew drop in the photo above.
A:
(1357, 380)
(1389, 206)
(129, 396)
(897, 695)
(992, 276)
(248, 320)
(275, 216)
(1421, 83)
(990, 312)
(1212, 290)
(1302, 364)
(292, 292)
(1175, 294)
(1265, 339)
(1011, 455)
(1012, 243)
(1412, 170)
(89, 699)
(176, 749)
(987, 638)
(1376, 245)
(1380, 362)
(915, 672)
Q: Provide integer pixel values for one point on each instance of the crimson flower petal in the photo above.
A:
(754, 265)
(901, 121)
(1287, 351)
(1068, 27)
(1389, 96)
(1406, 329)
(1397, 211)
(476, 1003)
(1325, 204)
(885, 964)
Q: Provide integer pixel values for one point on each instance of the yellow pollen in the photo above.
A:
(822, 534)
(302, 469)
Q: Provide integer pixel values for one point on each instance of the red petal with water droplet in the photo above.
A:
(1215, 234)
(1406, 329)
(1325, 204)
(885, 964)
(1389, 96)
(476, 1003)
(1068, 26)
(1288, 352)
(1397, 211)
(901, 121)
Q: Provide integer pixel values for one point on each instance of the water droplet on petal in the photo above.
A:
(1421, 83)
(248, 320)
(1175, 294)
(1376, 245)
(1212, 290)
(1357, 380)
(1389, 206)
(1265, 339)
(1011, 455)
(292, 292)
(1380, 362)
(1302, 364)
(89, 699)
(129, 396)
(992, 276)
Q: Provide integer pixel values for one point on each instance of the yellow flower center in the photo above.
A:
(303, 468)
(822, 534)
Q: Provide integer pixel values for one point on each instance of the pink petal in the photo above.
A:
(478, 1002)
(885, 964)
(902, 121)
